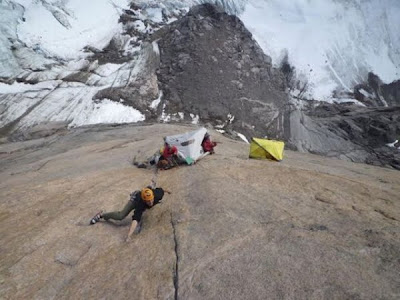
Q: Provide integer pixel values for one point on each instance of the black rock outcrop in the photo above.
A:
(211, 67)
(347, 131)
(376, 93)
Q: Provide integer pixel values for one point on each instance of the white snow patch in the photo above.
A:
(220, 130)
(230, 118)
(108, 111)
(156, 49)
(108, 69)
(129, 49)
(13, 62)
(18, 87)
(115, 75)
(242, 137)
(72, 104)
(181, 115)
(14, 107)
(195, 118)
(139, 25)
(93, 66)
(77, 65)
(332, 44)
(165, 117)
(154, 104)
(63, 28)
(365, 93)
(72, 84)
(392, 144)
(154, 14)
(170, 20)
(349, 100)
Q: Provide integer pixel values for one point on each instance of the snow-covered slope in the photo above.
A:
(42, 43)
(64, 28)
(57, 29)
(332, 45)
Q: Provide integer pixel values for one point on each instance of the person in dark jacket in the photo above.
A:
(139, 201)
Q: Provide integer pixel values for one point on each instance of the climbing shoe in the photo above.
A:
(96, 218)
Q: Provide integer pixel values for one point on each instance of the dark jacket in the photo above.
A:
(140, 206)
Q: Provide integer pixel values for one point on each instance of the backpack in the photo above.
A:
(134, 196)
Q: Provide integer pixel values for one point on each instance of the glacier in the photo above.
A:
(331, 44)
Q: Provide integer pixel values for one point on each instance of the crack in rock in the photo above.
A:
(176, 271)
(385, 214)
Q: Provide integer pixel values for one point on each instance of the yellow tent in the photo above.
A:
(262, 148)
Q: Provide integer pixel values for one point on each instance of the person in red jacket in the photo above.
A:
(207, 144)
(169, 157)
(169, 151)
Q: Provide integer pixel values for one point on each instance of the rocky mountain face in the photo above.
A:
(347, 131)
(309, 227)
(376, 93)
(204, 67)
(210, 66)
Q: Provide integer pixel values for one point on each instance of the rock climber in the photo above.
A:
(139, 201)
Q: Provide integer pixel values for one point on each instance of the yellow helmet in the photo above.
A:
(147, 194)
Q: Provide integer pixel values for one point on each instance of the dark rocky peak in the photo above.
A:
(212, 67)
(376, 93)
(207, 10)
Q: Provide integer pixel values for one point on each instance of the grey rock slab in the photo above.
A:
(309, 227)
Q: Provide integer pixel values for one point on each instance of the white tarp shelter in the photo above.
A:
(189, 144)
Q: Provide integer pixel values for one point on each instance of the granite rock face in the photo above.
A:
(309, 227)
(347, 131)
(212, 67)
